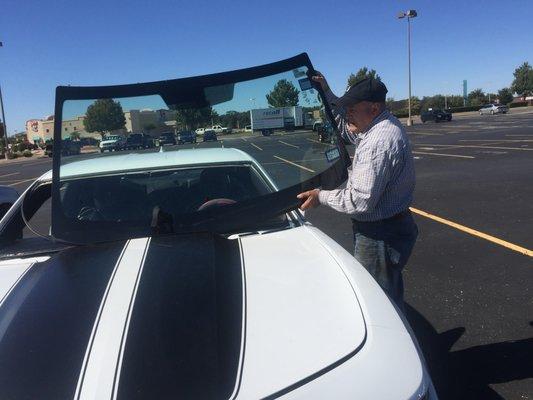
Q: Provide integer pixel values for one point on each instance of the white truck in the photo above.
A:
(217, 128)
(267, 120)
(220, 129)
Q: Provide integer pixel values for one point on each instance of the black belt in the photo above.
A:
(395, 217)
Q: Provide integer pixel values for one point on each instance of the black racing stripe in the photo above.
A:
(184, 335)
(47, 319)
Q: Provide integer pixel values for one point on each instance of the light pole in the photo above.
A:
(409, 14)
(6, 149)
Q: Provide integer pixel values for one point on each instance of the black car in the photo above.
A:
(68, 148)
(325, 132)
(436, 115)
(138, 141)
(167, 138)
(186, 137)
(210, 136)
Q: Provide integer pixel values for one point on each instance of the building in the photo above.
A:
(41, 130)
(148, 121)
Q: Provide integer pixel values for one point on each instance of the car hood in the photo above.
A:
(192, 316)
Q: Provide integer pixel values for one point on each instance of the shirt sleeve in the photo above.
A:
(368, 179)
(339, 119)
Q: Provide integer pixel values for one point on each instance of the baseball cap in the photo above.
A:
(368, 89)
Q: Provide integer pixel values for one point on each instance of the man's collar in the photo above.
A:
(384, 115)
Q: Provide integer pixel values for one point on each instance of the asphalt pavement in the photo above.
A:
(469, 280)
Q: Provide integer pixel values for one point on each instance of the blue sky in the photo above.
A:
(50, 43)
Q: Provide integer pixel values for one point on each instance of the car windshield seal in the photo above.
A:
(222, 220)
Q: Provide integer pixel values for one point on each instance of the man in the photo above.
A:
(380, 183)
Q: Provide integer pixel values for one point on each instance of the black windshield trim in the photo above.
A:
(229, 218)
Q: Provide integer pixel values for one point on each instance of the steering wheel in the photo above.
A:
(89, 214)
(216, 203)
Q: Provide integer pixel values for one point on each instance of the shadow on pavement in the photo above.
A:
(467, 374)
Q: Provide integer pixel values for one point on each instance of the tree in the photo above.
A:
(363, 73)
(505, 96)
(477, 97)
(523, 80)
(192, 118)
(103, 116)
(284, 94)
(149, 127)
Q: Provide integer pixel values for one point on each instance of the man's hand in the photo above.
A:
(319, 78)
(310, 199)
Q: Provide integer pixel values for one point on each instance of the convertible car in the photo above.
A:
(191, 273)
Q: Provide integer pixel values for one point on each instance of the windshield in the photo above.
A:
(255, 149)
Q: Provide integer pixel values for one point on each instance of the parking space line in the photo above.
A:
(21, 181)
(474, 232)
(442, 155)
(296, 165)
(256, 146)
(288, 144)
(5, 176)
(477, 147)
(316, 141)
(497, 140)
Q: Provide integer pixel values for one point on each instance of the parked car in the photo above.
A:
(248, 128)
(68, 148)
(167, 138)
(210, 136)
(192, 274)
(220, 129)
(200, 131)
(112, 143)
(139, 141)
(186, 137)
(325, 132)
(493, 109)
(435, 115)
(317, 124)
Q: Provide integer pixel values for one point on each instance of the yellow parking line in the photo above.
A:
(496, 140)
(477, 147)
(256, 146)
(288, 144)
(443, 155)
(296, 165)
(5, 176)
(473, 232)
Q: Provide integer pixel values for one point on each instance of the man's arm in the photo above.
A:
(331, 98)
(368, 179)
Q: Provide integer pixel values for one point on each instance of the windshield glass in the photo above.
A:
(218, 179)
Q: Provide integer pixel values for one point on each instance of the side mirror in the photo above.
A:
(8, 196)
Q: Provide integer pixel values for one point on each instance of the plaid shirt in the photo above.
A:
(381, 179)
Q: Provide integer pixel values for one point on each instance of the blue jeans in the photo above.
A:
(383, 248)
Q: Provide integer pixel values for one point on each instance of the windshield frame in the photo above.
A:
(224, 219)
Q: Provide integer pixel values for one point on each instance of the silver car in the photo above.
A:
(493, 109)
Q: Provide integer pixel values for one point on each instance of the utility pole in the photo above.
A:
(409, 14)
(4, 126)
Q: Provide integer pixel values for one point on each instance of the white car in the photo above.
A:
(190, 273)
(493, 109)
(200, 131)
(112, 143)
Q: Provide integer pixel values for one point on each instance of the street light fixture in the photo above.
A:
(408, 14)
(4, 127)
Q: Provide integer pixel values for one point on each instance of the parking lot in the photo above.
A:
(468, 283)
